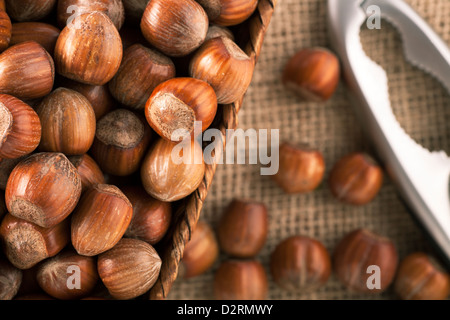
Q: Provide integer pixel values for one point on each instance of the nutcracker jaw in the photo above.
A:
(421, 176)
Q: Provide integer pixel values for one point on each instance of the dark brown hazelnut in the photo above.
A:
(300, 264)
(242, 229)
(365, 261)
(240, 280)
(356, 179)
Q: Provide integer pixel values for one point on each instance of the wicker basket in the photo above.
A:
(249, 36)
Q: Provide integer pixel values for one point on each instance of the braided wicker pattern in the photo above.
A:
(188, 214)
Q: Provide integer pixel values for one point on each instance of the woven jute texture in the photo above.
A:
(419, 102)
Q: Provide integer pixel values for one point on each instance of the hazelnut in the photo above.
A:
(301, 264)
(25, 244)
(30, 175)
(54, 275)
(129, 269)
(313, 74)
(29, 10)
(359, 250)
(100, 219)
(151, 217)
(242, 229)
(168, 181)
(51, 172)
(5, 30)
(222, 64)
(421, 277)
(10, 280)
(89, 50)
(142, 69)
(20, 128)
(28, 71)
(200, 252)
(99, 97)
(89, 171)
(176, 104)
(356, 179)
(120, 143)
(240, 280)
(112, 8)
(301, 169)
(233, 12)
(175, 27)
(68, 122)
(43, 33)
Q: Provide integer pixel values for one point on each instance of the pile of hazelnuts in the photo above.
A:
(301, 264)
(91, 95)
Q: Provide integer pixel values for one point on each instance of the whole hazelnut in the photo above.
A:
(233, 12)
(141, 71)
(200, 252)
(301, 169)
(421, 277)
(222, 64)
(170, 181)
(100, 219)
(10, 280)
(242, 229)
(89, 50)
(29, 10)
(25, 244)
(28, 71)
(43, 33)
(68, 275)
(176, 104)
(112, 8)
(240, 280)
(68, 122)
(175, 27)
(301, 264)
(89, 171)
(313, 74)
(129, 269)
(356, 179)
(20, 128)
(355, 256)
(120, 142)
(43, 189)
(151, 217)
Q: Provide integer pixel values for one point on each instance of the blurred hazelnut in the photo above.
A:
(421, 277)
(242, 229)
(357, 253)
(300, 264)
(200, 252)
(313, 74)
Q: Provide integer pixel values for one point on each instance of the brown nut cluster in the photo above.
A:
(90, 94)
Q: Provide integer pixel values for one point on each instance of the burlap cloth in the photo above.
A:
(420, 103)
